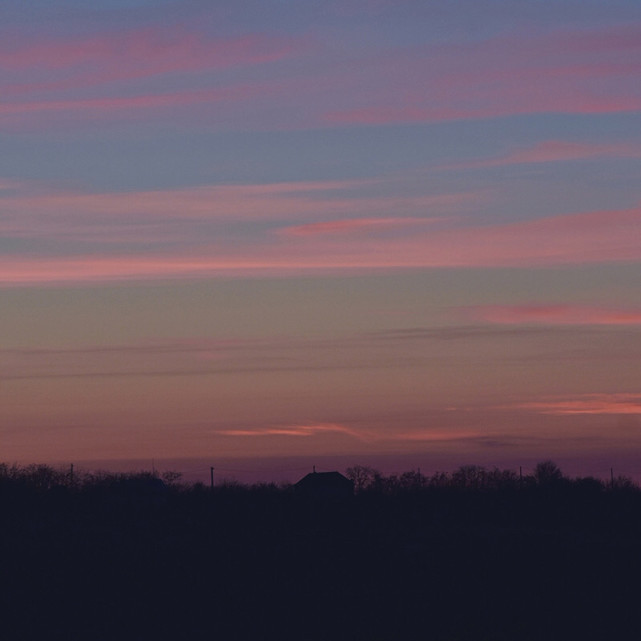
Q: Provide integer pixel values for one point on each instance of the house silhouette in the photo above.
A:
(325, 485)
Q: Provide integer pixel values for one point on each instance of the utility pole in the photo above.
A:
(211, 477)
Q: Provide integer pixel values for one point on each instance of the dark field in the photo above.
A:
(472, 555)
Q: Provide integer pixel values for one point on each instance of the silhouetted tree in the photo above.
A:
(440, 479)
(469, 477)
(588, 485)
(624, 483)
(497, 479)
(412, 481)
(362, 476)
(171, 478)
(547, 473)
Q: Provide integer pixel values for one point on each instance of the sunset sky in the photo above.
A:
(353, 231)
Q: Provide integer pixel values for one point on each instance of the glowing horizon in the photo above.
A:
(380, 229)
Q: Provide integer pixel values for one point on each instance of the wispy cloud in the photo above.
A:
(361, 433)
(140, 102)
(85, 61)
(586, 238)
(588, 404)
(130, 73)
(566, 72)
(434, 435)
(178, 215)
(10, 185)
(449, 333)
(554, 315)
(250, 201)
(358, 226)
(547, 99)
(137, 73)
(556, 151)
(197, 357)
(305, 430)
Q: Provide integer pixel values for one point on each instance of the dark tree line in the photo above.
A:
(472, 554)
(546, 474)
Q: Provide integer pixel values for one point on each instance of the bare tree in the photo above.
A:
(362, 476)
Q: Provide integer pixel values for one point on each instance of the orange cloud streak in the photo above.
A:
(589, 404)
(362, 434)
(294, 430)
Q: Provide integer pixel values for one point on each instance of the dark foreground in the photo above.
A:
(120, 558)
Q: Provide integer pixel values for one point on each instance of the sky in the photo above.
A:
(360, 231)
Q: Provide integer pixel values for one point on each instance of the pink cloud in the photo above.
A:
(622, 39)
(564, 72)
(588, 404)
(138, 53)
(92, 75)
(35, 211)
(557, 151)
(102, 269)
(357, 225)
(595, 237)
(555, 315)
(606, 236)
(10, 185)
(224, 201)
(567, 72)
(545, 102)
(140, 102)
